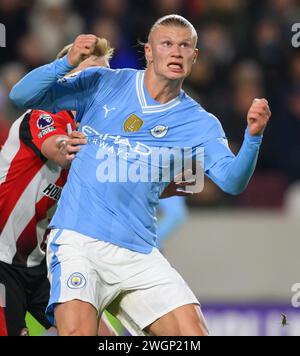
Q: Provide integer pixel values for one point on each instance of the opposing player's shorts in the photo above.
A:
(137, 288)
(26, 289)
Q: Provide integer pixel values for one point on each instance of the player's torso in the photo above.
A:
(116, 179)
(127, 124)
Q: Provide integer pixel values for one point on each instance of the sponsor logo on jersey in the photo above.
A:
(76, 281)
(133, 123)
(159, 131)
(53, 191)
(124, 160)
(44, 121)
(46, 131)
(105, 142)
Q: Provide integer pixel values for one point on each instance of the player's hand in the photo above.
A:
(82, 48)
(258, 116)
(179, 185)
(70, 146)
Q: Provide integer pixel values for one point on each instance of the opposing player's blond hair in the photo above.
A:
(102, 49)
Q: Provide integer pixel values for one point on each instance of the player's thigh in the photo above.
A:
(186, 320)
(15, 299)
(76, 318)
(74, 297)
(70, 271)
(77, 291)
(154, 290)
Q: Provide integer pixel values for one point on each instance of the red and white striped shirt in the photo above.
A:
(30, 186)
(4, 128)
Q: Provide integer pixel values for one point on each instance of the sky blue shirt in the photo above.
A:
(124, 213)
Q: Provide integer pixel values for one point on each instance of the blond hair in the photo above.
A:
(174, 20)
(102, 49)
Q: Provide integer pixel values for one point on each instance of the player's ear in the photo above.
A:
(196, 54)
(148, 53)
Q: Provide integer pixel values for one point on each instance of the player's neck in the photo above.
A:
(161, 89)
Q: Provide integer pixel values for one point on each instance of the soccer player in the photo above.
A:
(102, 249)
(31, 179)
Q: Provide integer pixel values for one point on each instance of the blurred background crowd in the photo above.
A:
(245, 52)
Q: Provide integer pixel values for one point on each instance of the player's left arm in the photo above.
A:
(174, 213)
(232, 173)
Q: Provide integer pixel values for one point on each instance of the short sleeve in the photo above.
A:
(37, 126)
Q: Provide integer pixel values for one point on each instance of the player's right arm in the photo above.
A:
(233, 173)
(41, 88)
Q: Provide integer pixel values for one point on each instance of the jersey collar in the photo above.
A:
(150, 109)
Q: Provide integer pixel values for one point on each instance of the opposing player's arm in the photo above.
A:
(62, 149)
(41, 88)
(50, 136)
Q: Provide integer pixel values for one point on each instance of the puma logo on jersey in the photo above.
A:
(107, 110)
(53, 191)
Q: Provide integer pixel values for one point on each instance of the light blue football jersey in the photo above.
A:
(123, 123)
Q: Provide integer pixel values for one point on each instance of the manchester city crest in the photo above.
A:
(159, 131)
(76, 281)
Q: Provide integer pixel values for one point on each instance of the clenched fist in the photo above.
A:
(82, 48)
(258, 116)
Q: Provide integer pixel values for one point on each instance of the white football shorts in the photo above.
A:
(137, 288)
